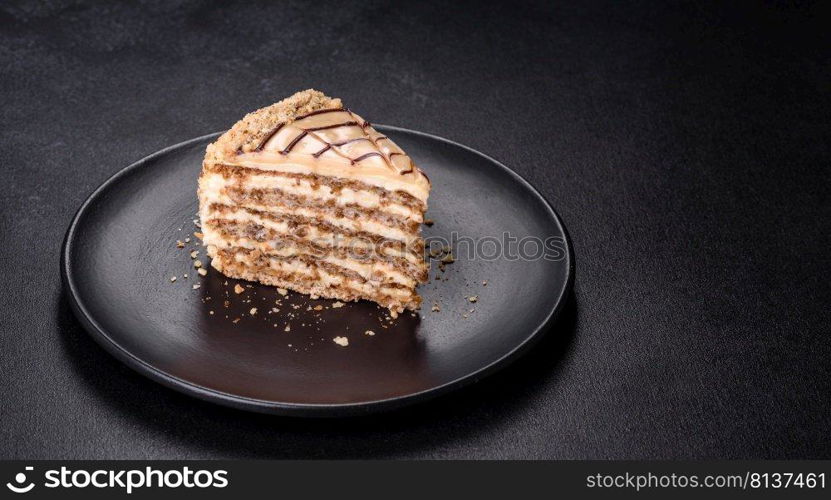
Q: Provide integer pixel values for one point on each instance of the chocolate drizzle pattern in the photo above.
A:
(294, 142)
(268, 136)
(335, 147)
(326, 148)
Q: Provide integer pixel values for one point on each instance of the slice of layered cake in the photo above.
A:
(305, 195)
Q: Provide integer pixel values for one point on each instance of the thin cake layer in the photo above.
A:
(347, 221)
(344, 191)
(366, 262)
(230, 232)
(313, 278)
(314, 228)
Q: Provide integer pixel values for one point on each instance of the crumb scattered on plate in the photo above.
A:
(341, 341)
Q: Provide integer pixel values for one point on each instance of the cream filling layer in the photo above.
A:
(343, 223)
(373, 173)
(364, 268)
(314, 234)
(213, 184)
(324, 278)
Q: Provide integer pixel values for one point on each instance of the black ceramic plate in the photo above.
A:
(120, 253)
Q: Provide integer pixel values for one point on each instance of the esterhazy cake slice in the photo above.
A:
(304, 194)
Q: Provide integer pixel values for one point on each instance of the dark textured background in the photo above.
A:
(686, 148)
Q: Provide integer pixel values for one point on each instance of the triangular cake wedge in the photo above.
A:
(305, 195)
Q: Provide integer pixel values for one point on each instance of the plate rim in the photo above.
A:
(101, 337)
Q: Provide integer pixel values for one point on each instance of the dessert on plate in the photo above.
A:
(305, 195)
